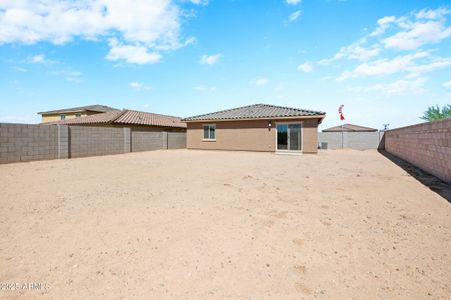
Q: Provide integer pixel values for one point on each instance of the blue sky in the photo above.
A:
(386, 61)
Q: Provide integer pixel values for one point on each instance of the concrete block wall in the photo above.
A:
(426, 145)
(176, 140)
(146, 140)
(63, 141)
(127, 140)
(165, 140)
(23, 142)
(93, 141)
(352, 140)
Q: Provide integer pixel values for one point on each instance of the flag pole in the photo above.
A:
(342, 118)
(342, 137)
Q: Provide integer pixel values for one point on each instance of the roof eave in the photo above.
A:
(62, 112)
(321, 117)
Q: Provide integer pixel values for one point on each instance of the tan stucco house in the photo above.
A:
(258, 127)
(73, 112)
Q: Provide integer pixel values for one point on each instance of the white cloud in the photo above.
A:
(383, 25)
(131, 54)
(70, 75)
(210, 59)
(401, 64)
(398, 87)
(294, 16)
(435, 64)
(379, 54)
(204, 88)
(383, 66)
(20, 69)
(259, 81)
(353, 51)
(293, 2)
(190, 41)
(419, 34)
(150, 25)
(38, 58)
(138, 86)
(327, 77)
(305, 67)
(408, 32)
(41, 59)
(447, 85)
(433, 14)
(416, 30)
(199, 2)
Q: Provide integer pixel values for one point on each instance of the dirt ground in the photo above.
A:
(184, 224)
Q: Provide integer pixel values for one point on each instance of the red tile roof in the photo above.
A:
(126, 117)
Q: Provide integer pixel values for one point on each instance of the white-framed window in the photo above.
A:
(78, 115)
(209, 132)
(62, 117)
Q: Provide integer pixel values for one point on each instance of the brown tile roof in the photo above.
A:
(96, 108)
(144, 118)
(256, 111)
(126, 117)
(349, 127)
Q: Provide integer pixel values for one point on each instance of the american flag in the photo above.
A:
(340, 112)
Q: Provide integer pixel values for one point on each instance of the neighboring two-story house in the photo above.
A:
(73, 113)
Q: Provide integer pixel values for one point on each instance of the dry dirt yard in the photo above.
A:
(187, 224)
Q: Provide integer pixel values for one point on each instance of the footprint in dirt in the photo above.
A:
(279, 214)
(298, 242)
(302, 288)
(300, 269)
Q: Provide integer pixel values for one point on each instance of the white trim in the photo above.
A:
(203, 131)
(287, 151)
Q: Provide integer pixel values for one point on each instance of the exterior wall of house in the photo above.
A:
(249, 135)
(310, 135)
(57, 117)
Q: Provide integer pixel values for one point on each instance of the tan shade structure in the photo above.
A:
(349, 128)
(257, 127)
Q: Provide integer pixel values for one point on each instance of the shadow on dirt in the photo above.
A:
(429, 180)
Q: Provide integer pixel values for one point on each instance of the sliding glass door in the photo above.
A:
(289, 137)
